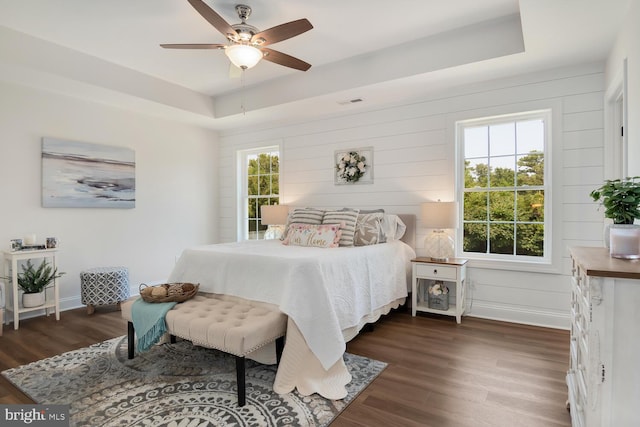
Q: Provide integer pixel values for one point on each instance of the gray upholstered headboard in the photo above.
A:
(410, 235)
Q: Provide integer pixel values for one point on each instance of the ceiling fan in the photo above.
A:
(246, 45)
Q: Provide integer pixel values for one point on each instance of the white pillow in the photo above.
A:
(393, 227)
(318, 236)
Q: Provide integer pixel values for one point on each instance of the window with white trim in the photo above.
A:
(505, 186)
(260, 185)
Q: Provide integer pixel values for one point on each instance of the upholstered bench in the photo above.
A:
(104, 286)
(229, 324)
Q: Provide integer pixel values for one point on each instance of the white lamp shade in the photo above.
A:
(440, 215)
(243, 56)
(274, 214)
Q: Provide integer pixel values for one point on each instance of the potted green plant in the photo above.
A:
(621, 201)
(620, 198)
(34, 280)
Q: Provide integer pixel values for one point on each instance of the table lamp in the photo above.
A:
(439, 216)
(275, 216)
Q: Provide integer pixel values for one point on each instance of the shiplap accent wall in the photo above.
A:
(414, 151)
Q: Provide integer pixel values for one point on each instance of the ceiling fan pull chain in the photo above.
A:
(244, 111)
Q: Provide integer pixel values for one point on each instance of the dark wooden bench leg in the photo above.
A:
(131, 338)
(240, 371)
(279, 349)
(240, 380)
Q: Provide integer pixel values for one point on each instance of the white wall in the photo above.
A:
(176, 187)
(414, 162)
(627, 46)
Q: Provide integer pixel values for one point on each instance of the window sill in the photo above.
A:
(528, 266)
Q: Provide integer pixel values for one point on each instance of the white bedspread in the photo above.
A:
(322, 290)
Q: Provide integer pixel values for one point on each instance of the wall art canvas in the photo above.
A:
(353, 166)
(83, 175)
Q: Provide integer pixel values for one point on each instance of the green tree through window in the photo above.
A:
(262, 188)
(504, 185)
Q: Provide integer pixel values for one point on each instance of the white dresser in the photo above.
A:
(604, 373)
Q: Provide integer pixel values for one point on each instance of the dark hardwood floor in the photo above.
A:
(479, 373)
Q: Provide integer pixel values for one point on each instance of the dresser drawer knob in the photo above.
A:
(435, 271)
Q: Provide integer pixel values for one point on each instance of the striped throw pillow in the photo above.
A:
(347, 218)
(303, 216)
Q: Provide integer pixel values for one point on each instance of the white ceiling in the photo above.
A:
(379, 51)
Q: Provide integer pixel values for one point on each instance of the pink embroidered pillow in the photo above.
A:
(318, 236)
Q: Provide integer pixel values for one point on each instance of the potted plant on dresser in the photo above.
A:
(621, 201)
(34, 280)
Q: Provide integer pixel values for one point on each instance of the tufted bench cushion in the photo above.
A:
(230, 324)
(233, 326)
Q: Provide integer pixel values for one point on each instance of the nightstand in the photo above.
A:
(452, 272)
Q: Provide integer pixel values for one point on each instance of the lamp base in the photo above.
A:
(439, 246)
(274, 232)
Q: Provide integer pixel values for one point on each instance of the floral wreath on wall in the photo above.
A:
(351, 166)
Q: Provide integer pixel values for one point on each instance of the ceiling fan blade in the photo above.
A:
(282, 32)
(193, 46)
(213, 18)
(284, 59)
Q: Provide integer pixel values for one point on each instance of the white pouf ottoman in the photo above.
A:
(104, 286)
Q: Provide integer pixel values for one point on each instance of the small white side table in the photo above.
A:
(52, 296)
(452, 272)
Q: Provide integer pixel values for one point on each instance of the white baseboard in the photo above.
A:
(504, 313)
(68, 303)
(76, 300)
(545, 318)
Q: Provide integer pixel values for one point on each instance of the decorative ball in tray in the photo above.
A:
(168, 292)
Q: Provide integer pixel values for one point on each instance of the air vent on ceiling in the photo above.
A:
(350, 101)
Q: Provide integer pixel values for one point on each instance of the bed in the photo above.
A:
(328, 295)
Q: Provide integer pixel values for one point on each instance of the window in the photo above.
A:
(504, 187)
(260, 186)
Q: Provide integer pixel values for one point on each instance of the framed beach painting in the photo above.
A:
(353, 166)
(83, 175)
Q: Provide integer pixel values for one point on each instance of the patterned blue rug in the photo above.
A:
(175, 385)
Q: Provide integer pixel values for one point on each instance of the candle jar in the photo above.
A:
(624, 241)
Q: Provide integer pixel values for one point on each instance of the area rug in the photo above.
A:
(175, 385)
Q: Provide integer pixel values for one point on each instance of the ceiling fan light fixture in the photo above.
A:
(243, 56)
(246, 44)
